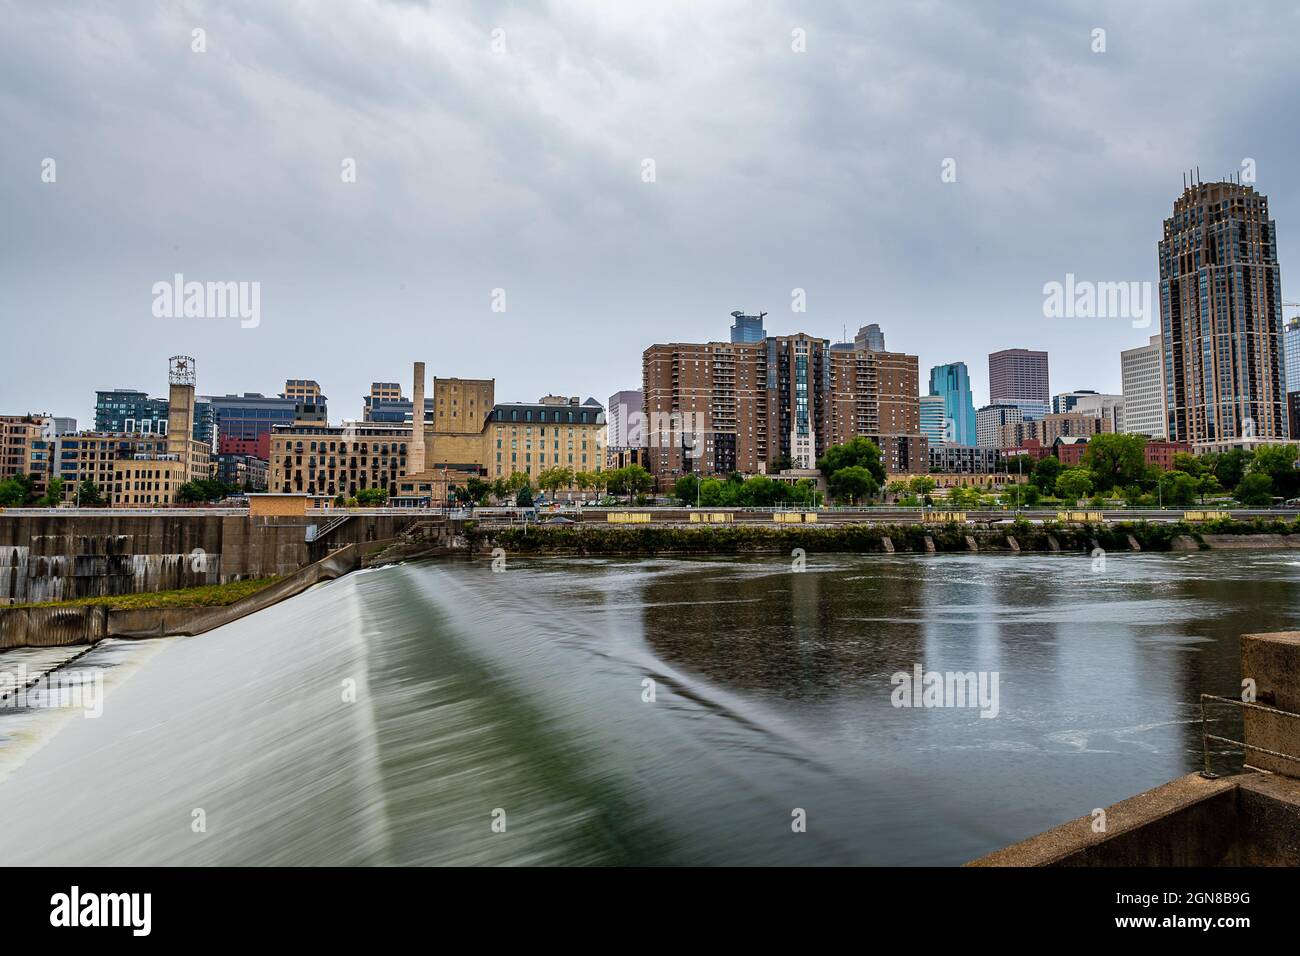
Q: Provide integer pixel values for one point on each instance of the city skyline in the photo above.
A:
(546, 200)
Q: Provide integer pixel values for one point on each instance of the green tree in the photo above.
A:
(89, 494)
(1189, 463)
(1019, 465)
(54, 493)
(1207, 484)
(897, 489)
(524, 498)
(711, 492)
(1029, 494)
(635, 480)
(1046, 470)
(12, 493)
(1115, 459)
(1178, 488)
(553, 479)
(922, 485)
(1074, 483)
(204, 489)
(858, 452)
(478, 490)
(802, 492)
(853, 482)
(1278, 462)
(370, 497)
(1255, 490)
(1230, 466)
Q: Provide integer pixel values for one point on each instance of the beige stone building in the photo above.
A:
(23, 448)
(467, 436)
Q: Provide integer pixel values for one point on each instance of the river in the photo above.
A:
(642, 711)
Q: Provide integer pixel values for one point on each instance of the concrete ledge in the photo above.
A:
(1273, 662)
(1230, 542)
(1269, 809)
(1190, 821)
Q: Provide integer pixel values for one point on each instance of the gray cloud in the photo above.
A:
(478, 170)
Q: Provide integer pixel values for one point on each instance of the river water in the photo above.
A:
(631, 711)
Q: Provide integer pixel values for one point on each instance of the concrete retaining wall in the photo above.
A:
(60, 626)
(50, 557)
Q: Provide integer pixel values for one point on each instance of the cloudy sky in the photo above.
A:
(503, 146)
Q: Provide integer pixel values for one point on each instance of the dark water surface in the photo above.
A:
(519, 696)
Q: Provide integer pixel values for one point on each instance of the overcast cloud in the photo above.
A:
(522, 170)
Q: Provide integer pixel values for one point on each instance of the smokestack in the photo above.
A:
(415, 460)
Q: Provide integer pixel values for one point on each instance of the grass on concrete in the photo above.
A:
(207, 595)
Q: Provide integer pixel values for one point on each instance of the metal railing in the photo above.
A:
(1206, 736)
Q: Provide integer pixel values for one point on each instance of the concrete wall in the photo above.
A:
(57, 558)
(61, 626)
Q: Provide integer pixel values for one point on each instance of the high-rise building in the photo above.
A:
(747, 328)
(1142, 383)
(989, 421)
(715, 408)
(1221, 319)
(1291, 346)
(626, 416)
(952, 382)
(244, 422)
(873, 394)
(303, 390)
(870, 337)
(1019, 377)
(1087, 402)
(932, 416)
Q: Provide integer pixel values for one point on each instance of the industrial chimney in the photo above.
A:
(415, 460)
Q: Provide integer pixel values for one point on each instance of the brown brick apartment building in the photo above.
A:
(717, 407)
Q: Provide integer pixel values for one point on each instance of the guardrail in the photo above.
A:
(1206, 736)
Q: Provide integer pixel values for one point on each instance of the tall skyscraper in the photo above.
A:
(747, 328)
(1221, 319)
(952, 382)
(1019, 377)
(1291, 345)
(1142, 383)
(625, 417)
(1291, 342)
(870, 337)
(932, 419)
